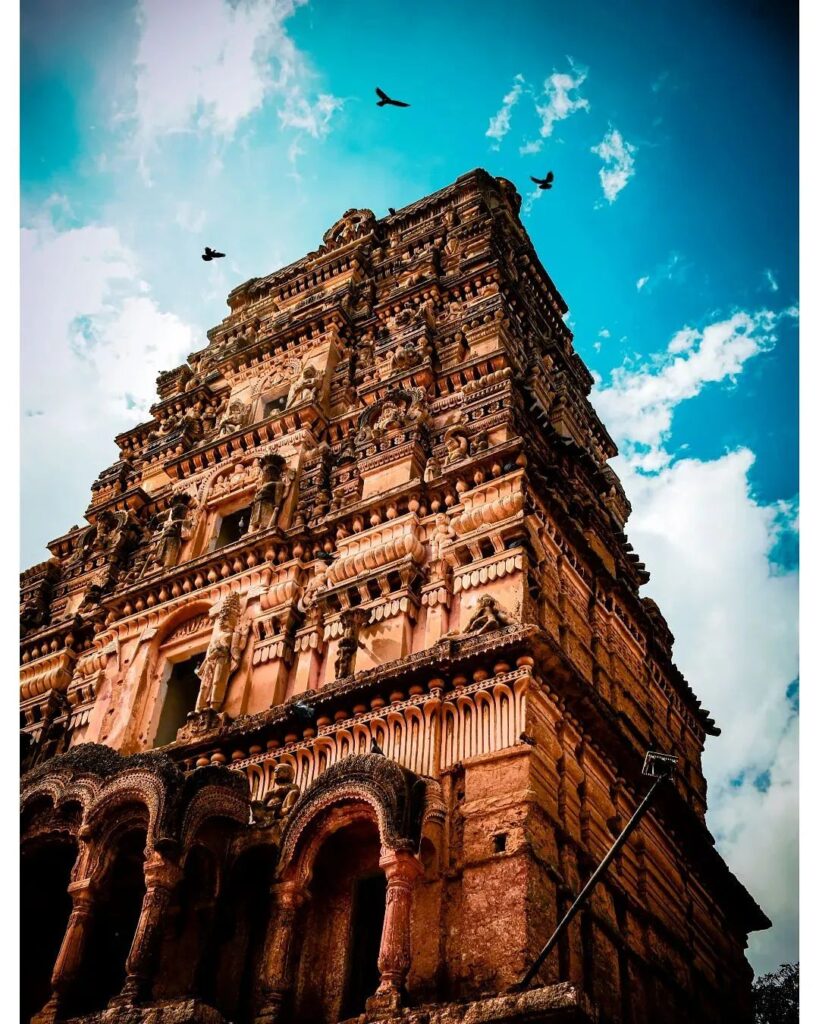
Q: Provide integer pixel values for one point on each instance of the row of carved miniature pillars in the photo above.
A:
(343, 714)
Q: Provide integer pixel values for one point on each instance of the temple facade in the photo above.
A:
(342, 690)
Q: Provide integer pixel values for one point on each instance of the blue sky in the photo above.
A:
(150, 129)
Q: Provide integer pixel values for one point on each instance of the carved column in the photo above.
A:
(402, 870)
(69, 959)
(161, 877)
(277, 965)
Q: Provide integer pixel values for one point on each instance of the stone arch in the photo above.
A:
(393, 794)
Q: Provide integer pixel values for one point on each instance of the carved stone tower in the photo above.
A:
(344, 688)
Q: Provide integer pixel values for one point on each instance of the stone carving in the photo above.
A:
(352, 621)
(401, 409)
(281, 799)
(456, 439)
(270, 494)
(223, 654)
(305, 387)
(235, 418)
(487, 617)
(354, 224)
(176, 528)
(432, 470)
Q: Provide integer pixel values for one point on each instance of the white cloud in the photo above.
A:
(188, 218)
(734, 614)
(94, 341)
(638, 404)
(618, 163)
(528, 148)
(558, 102)
(501, 122)
(772, 282)
(733, 609)
(203, 66)
(673, 268)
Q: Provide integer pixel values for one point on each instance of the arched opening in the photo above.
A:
(116, 912)
(229, 967)
(189, 923)
(45, 906)
(337, 968)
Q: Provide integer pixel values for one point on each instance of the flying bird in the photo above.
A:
(303, 711)
(384, 100)
(544, 183)
(375, 749)
(211, 254)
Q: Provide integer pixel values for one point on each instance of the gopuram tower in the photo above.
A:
(343, 690)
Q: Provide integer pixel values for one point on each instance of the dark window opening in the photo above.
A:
(233, 527)
(499, 842)
(369, 904)
(180, 698)
(113, 925)
(273, 405)
(45, 906)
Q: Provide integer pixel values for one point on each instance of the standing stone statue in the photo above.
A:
(173, 531)
(223, 654)
(271, 493)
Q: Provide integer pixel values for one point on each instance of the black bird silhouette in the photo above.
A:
(385, 101)
(211, 254)
(303, 711)
(392, 210)
(375, 749)
(544, 183)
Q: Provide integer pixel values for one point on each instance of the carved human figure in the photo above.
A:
(487, 617)
(308, 603)
(270, 494)
(351, 620)
(281, 799)
(235, 417)
(223, 654)
(305, 387)
(174, 531)
(455, 439)
(432, 470)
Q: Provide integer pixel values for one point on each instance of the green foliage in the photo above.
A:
(776, 996)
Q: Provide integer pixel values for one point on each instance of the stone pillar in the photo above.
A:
(277, 963)
(161, 877)
(402, 869)
(69, 958)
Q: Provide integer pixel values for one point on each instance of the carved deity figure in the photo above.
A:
(173, 531)
(455, 439)
(114, 536)
(235, 417)
(487, 617)
(351, 620)
(432, 470)
(281, 799)
(223, 654)
(271, 492)
(304, 388)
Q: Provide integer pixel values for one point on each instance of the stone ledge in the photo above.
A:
(563, 1003)
(180, 1011)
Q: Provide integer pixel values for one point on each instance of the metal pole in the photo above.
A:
(587, 888)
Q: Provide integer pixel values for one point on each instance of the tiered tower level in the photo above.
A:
(376, 506)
